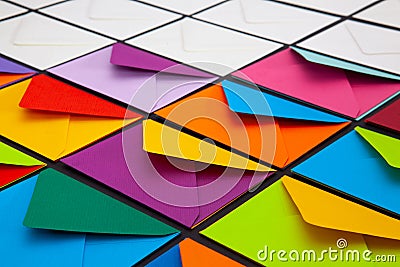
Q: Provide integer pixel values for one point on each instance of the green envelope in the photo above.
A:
(62, 203)
(271, 221)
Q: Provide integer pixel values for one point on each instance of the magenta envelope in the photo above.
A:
(134, 76)
(105, 162)
(343, 91)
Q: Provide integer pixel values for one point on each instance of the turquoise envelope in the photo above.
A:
(363, 164)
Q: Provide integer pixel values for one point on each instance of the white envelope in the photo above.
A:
(386, 12)
(271, 20)
(36, 3)
(208, 47)
(9, 10)
(187, 7)
(360, 43)
(43, 42)
(120, 19)
(342, 7)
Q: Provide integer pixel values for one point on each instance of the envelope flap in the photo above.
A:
(11, 156)
(374, 40)
(128, 56)
(323, 209)
(62, 203)
(7, 66)
(171, 257)
(165, 140)
(243, 99)
(388, 147)
(260, 12)
(115, 10)
(219, 39)
(48, 94)
(337, 63)
(37, 30)
(194, 254)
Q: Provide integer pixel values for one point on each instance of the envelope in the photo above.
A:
(342, 7)
(383, 13)
(9, 10)
(182, 6)
(42, 42)
(55, 119)
(368, 45)
(388, 117)
(12, 72)
(15, 165)
(279, 22)
(41, 247)
(204, 45)
(258, 134)
(371, 161)
(184, 190)
(119, 19)
(189, 253)
(346, 92)
(135, 77)
(34, 4)
(273, 221)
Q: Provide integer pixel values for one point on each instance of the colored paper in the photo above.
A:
(271, 139)
(271, 219)
(370, 161)
(120, 163)
(59, 248)
(15, 165)
(189, 253)
(161, 139)
(50, 126)
(135, 77)
(12, 72)
(297, 75)
(80, 208)
(388, 117)
(323, 209)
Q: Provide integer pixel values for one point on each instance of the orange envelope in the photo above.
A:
(55, 119)
(277, 140)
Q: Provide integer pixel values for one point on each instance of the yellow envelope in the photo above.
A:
(58, 119)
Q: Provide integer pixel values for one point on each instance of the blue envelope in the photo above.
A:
(23, 246)
(363, 164)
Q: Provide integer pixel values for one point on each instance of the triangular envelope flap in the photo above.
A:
(11, 156)
(388, 147)
(48, 94)
(374, 40)
(165, 140)
(115, 10)
(36, 30)
(255, 12)
(194, 254)
(337, 63)
(77, 207)
(218, 39)
(7, 66)
(323, 209)
(243, 99)
(125, 55)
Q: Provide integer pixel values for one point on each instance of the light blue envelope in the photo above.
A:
(358, 166)
(23, 246)
(244, 99)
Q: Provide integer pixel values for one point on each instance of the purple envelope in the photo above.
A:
(134, 76)
(105, 162)
(12, 72)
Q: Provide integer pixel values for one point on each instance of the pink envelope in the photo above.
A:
(106, 163)
(343, 91)
(134, 76)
